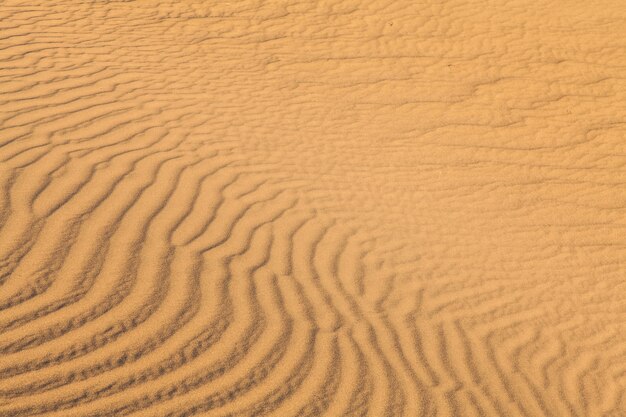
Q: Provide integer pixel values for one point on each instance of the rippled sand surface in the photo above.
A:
(313, 208)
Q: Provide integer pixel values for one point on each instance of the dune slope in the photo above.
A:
(298, 208)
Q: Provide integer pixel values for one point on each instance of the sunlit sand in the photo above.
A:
(331, 208)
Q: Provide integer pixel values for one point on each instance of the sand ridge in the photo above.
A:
(386, 208)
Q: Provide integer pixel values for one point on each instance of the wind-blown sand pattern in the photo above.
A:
(300, 208)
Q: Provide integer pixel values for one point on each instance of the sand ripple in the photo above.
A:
(386, 208)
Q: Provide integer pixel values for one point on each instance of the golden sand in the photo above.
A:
(312, 208)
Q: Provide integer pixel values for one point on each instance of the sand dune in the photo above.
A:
(264, 208)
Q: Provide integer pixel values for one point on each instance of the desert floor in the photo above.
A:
(312, 208)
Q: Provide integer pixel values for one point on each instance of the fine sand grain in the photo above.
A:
(312, 208)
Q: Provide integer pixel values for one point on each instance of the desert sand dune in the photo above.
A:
(264, 208)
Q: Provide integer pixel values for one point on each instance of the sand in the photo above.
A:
(312, 208)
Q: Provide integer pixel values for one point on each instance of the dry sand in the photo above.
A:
(312, 208)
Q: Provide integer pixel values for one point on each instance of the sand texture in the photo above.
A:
(312, 208)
